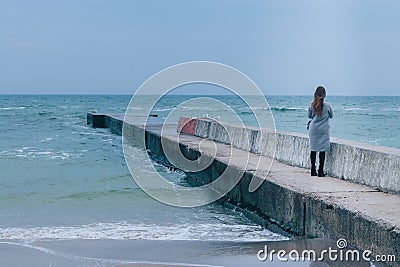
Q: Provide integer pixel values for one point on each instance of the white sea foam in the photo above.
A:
(12, 108)
(34, 152)
(124, 230)
(391, 109)
(371, 140)
(355, 109)
(47, 139)
(136, 108)
(162, 109)
(195, 107)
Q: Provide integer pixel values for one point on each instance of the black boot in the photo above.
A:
(313, 158)
(321, 164)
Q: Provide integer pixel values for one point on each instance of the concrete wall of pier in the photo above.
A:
(357, 162)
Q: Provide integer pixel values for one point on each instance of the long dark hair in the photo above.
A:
(318, 102)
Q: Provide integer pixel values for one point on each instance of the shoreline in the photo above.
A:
(154, 253)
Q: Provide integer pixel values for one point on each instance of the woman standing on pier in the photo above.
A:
(320, 113)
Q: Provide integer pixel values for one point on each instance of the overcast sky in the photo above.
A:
(286, 47)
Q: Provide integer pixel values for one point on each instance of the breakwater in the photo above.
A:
(362, 163)
(288, 197)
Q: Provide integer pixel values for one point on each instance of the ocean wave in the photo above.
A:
(374, 141)
(207, 108)
(246, 112)
(96, 194)
(287, 109)
(47, 139)
(356, 109)
(162, 109)
(392, 109)
(45, 113)
(275, 109)
(33, 153)
(135, 108)
(138, 230)
(12, 108)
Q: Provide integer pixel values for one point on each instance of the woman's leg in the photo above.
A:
(313, 158)
(321, 164)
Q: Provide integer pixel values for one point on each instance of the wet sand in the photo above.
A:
(154, 253)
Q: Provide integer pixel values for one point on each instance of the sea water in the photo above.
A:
(62, 179)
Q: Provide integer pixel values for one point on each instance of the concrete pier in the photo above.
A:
(289, 197)
(362, 163)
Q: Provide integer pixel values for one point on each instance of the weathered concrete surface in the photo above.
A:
(357, 162)
(290, 198)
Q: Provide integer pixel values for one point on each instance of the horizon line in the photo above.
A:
(124, 94)
(111, 94)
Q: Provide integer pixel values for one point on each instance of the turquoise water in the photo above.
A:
(61, 179)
